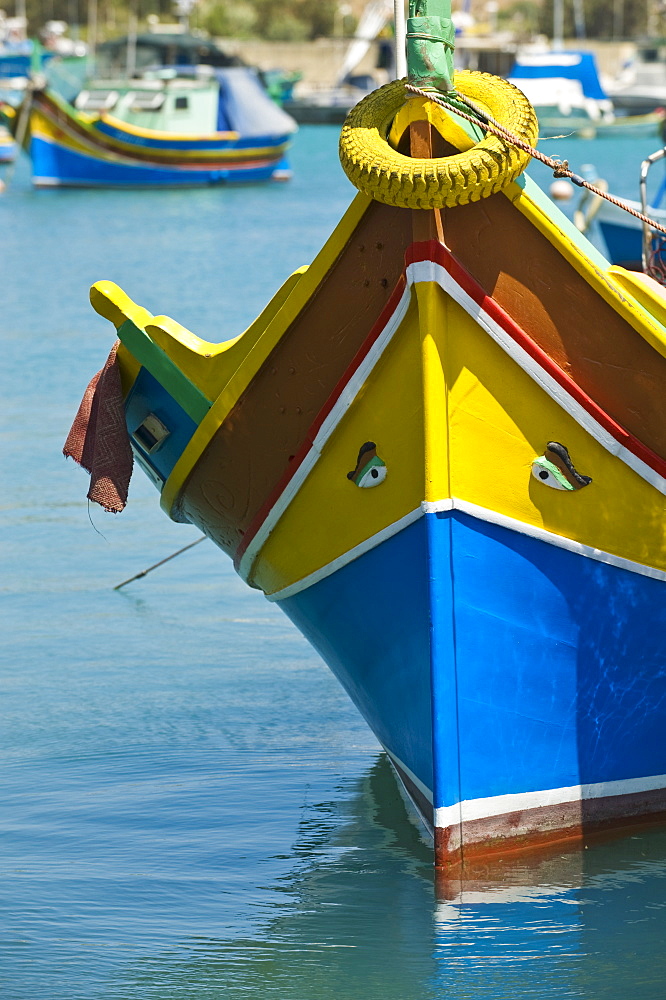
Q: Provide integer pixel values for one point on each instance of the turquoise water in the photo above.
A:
(190, 806)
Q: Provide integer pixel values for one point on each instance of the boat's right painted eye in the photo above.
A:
(372, 474)
(370, 469)
(549, 475)
(555, 469)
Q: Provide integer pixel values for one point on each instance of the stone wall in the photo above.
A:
(320, 61)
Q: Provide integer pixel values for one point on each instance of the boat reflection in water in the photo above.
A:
(355, 918)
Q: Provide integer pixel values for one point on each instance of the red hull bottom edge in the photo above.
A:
(534, 830)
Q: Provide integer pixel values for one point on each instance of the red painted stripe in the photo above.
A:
(434, 251)
(313, 430)
(438, 254)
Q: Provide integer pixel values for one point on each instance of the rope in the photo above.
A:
(559, 167)
(430, 38)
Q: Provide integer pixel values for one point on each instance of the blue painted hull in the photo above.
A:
(54, 166)
(479, 689)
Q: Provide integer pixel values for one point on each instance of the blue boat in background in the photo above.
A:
(630, 242)
(565, 90)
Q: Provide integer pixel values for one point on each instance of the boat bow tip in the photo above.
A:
(111, 302)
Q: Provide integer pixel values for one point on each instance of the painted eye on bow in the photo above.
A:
(370, 469)
(549, 475)
(555, 469)
(372, 474)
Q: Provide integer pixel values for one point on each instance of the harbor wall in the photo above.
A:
(319, 62)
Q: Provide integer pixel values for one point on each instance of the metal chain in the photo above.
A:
(560, 168)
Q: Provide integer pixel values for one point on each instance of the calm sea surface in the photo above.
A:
(189, 804)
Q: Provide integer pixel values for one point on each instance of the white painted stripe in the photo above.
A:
(428, 270)
(346, 557)
(438, 506)
(349, 393)
(501, 805)
(482, 514)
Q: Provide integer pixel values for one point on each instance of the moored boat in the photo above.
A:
(633, 231)
(7, 146)
(214, 125)
(441, 450)
(568, 97)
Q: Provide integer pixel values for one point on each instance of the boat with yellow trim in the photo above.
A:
(165, 128)
(7, 146)
(441, 450)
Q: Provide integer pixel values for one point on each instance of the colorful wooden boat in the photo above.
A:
(441, 450)
(7, 146)
(164, 129)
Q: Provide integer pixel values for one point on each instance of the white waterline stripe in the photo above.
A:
(438, 506)
(500, 805)
(481, 514)
(347, 557)
(342, 404)
(428, 270)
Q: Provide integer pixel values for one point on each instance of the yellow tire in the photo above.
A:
(378, 170)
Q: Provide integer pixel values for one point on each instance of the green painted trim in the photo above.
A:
(161, 367)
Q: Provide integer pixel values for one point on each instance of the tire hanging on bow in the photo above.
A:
(378, 170)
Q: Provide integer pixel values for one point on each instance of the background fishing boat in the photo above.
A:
(568, 97)
(440, 450)
(165, 128)
(7, 145)
(630, 241)
(61, 60)
(640, 87)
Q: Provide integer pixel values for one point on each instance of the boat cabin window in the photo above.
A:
(181, 103)
(142, 101)
(96, 100)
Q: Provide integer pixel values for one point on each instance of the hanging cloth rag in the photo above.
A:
(98, 439)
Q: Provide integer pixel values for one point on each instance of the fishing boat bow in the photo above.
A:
(441, 450)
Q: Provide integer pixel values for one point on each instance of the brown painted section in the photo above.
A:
(547, 297)
(538, 829)
(425, 142)
(265, 430)
(528, 277)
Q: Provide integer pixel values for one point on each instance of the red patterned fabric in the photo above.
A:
(98, 439)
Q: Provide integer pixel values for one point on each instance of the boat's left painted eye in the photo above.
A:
(370, 468)
(373, 474)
